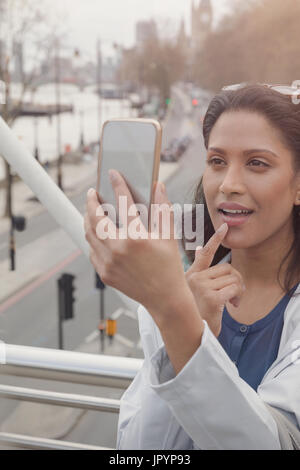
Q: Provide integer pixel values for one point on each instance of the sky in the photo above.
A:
(114, 20)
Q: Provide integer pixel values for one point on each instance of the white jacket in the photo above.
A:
(207, 405)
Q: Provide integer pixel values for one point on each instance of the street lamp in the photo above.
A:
(35, 127)
(81, 112)
(120, 56)
(6, 112)
(99, 80)
(58, 124)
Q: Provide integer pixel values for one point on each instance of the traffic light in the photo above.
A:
(19, 222)
(66, 298)
(195, 102)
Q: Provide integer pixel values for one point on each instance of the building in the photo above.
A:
(183, 41)
(144, 31)
(201, 23)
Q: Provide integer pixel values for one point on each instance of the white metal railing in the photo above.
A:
(69, 366)
(39, 443)
(72, 400)
(65, 366)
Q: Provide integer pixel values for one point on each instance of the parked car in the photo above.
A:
(175, 149)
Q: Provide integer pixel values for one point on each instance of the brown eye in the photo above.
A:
(261, 164)
(213, 161)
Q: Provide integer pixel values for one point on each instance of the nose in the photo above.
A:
(232, 180)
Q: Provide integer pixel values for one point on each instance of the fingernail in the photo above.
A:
(244, 287)
(113, 175)
(198, 248)
(222, 228)
(90, 191)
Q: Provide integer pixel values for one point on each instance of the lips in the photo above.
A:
(227, 212)
(234, 219)
(233, 206)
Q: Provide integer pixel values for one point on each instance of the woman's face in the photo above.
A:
(248, 164)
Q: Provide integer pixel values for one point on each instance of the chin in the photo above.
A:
(234, 244)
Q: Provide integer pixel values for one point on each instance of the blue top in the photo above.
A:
(254, 348)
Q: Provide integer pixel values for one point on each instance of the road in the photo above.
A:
(32, 318)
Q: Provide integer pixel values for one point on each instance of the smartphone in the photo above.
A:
(133, 148)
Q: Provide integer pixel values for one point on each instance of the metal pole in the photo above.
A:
(35, 129)
(36, 148)
(80, 84)
(102, 320)
(70, 366)
(58, 128)
(40, 443)
(72, 400)
(9, 175)
(60, 319)
(99, 79)
(61, 285)
(81, 130)
(12, 245)
(60, 332)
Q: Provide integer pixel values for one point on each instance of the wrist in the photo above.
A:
(178, 307)
(181, 328)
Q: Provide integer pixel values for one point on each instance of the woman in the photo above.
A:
(221, 340)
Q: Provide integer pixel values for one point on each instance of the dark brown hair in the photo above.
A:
(284, 116)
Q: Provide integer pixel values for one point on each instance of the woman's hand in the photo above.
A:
(213, 287)
(148, 270)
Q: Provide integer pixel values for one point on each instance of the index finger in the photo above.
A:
(121, 189)
(93, 208)
(207, 253)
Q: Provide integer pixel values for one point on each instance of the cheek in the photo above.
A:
(274, 197)
(210, 187)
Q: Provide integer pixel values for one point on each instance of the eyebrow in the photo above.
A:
(246, 152)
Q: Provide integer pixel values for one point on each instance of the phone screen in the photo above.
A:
(128, 147)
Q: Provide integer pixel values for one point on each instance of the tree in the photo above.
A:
(155, 63)
(259, 44)
(24, 39)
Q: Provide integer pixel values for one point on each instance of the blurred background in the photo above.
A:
(66, 66)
